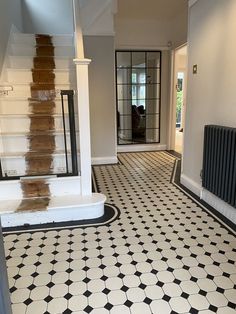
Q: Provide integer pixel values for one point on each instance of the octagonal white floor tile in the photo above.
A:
(206, 284)
(140, 308)
(114, 283)
(37, 307)
(198, 302)
(77, 303)
(117, 297)
(97, 300)
(179, 305)
(120, 309)
(57, 306)
(39, 293)
(217, 299)
(160, 306)
(131, 281)
(172, 289)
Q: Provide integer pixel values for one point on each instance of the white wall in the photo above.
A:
(151, 23)
(102, 97)
(211, 92)
(48, 16)
(10, 13)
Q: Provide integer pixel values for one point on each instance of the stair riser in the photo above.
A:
(29, 39)
(22, 107)
(17, 166)
(11, 190)
(23, 50)
(15, 124)
(63, 214)
(18, 144)
(25, 77)
(24, 91)
(27, 63)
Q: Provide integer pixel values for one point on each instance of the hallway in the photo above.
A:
(165, 253)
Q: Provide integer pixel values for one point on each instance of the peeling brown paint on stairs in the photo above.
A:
(41, 137)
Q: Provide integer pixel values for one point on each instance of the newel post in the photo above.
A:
(84, 124)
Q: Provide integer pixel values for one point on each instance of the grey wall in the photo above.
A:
(5, 307)
(48, 16)
(211, 93)
(102, 98)
(10, 13)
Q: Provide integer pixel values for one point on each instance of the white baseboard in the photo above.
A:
(222, 207)
(140, 148)
(191, 185)
(104, 160)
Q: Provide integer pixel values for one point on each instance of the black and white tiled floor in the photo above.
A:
(164, 254)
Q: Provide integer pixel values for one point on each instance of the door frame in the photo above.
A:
(173, 98)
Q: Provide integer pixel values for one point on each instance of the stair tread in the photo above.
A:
(28, 115)
(51, 35)
(22, 154)
(57, 202)
(53, 132)
(38, 69)
(30, 56)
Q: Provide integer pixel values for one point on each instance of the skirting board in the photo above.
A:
(104, 160)
(212, 200)
(140, 148)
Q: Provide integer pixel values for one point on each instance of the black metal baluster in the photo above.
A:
(64, 130)
(72, 132)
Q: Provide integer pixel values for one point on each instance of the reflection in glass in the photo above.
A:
(138, 93)
(153, 76)
(152, 121)
(152, 135)
(138, 60)
(123, 76)
(123, 92)
(153, 59)
(123, 59)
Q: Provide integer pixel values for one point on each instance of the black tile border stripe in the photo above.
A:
(217, 216)
(111, 213)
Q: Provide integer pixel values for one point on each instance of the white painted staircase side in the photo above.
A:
(67, 202)
(14, 108)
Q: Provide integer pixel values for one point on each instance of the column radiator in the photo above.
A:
(219, 162)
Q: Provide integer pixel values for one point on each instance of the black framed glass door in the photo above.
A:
(138, 86)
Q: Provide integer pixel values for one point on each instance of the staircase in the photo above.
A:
(35, 142)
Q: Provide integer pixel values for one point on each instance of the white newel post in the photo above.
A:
(84, 124)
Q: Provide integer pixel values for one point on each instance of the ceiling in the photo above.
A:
(151, 9)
